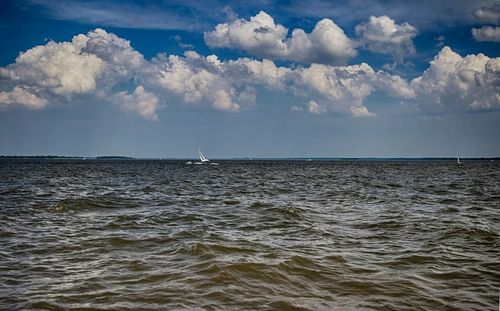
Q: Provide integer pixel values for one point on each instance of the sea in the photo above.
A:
(107, 234)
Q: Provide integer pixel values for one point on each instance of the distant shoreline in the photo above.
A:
(68, 157)
(307, 159)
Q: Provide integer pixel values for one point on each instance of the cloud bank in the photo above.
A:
(325, 44)
(102, 67)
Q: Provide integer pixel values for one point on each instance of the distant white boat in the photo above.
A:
(203, 159)
(458, 160)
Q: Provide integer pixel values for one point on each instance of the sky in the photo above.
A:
(261, 79)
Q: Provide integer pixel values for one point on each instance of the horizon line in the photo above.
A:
(121, 157)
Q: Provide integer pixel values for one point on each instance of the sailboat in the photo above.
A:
(203, 159)
(458, 160)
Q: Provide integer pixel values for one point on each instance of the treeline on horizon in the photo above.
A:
(62, 157)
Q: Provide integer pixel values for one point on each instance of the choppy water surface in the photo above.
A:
(257, 235)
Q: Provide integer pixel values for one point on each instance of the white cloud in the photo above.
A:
(23, 96)
(382, 35)
(60, 67)
(314, 107)
(345, 88)
(248, 97)
(455, 83)
(246, 70)
(53, 73)
(95, 64)
(182, 44)
(141, 102)
(261, 36)
(486, 33)
(361, 111)
(393, 85)
(440, 41)
(112, 49)
(490, 15)
(229, 85)
(196, 80)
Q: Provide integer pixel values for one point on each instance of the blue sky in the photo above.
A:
(267, 79)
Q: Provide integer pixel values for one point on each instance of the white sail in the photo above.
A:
(202, 157)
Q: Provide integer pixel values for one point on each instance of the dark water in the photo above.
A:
(282, 235)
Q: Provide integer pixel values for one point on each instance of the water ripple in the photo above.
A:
(266, 235)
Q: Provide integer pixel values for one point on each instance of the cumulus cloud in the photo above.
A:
(345, 88)
(22, 95)
(489, 15)
(314, 107)
(93, 64)
(113, 50)
(246, 70)
(382, 35)
(261, 36)
(195, 79)
(61, 67)
(141, 102)
(455, 83)
(486, 33)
